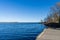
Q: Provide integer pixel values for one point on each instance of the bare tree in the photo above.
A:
(54, 16)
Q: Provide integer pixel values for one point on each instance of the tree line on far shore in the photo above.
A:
(54, 15)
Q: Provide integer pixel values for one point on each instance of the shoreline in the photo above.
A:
(41, 34)
(52, 25)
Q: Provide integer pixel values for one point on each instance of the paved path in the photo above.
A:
(50, 34)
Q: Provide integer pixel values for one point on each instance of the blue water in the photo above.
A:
(20, 31)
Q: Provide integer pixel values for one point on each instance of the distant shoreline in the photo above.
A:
(22, 22)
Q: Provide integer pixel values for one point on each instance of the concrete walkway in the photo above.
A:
(50, 34)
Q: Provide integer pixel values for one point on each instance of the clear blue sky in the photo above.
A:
(25, 10)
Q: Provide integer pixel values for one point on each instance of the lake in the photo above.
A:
(20, 31)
